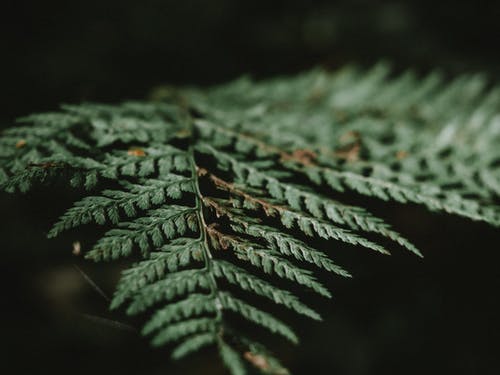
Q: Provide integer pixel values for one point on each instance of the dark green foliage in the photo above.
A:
(223, 192)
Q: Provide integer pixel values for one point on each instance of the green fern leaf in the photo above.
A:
(224, 194)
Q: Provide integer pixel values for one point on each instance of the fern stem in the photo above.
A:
(207, 255)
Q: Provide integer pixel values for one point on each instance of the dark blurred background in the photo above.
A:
(398, 315)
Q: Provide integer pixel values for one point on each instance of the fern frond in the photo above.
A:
(248, 282)
(147, 233)
(115, 203)
(257, 316)
(176, 331)
(232, 359)
(193, 344)
(268, 260)
(193, 305)
(134, 286)
(298, 200)
(290, 246)
(224, 194)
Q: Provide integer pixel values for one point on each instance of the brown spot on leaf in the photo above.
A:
(219, 240)
(269, 208)
(349, 153)
(224, 241)
(139, 152)
(197, 255)
(401, 154)
(21, 143)
(219, 210)
(350, 137)
(350, 146)
(257, 360)
(302, 156)
(201, 171)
